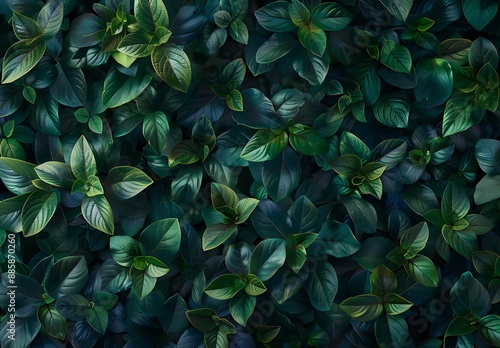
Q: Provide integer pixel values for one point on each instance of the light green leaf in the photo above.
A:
(454, 200)
(423, 271)
(217, 234)
(151, 14)
(97, 212)
(124, 249)
(126, 182)
(490, 329)
(265, 145)
(162, 239)
(254, 286)
(396, 57)
(20, 58)
(37, 212)
(395, 304)
(267, 258)
(82, 160)
(244, 208)
(50, 18)
(98, 319)
(330, 16)
(313, 39)
(225, 286)
(363, 307)
(241, 307)
(142, 284)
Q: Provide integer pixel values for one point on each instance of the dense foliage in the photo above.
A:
(239, 173)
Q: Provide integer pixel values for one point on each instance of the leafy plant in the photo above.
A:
(243, 173)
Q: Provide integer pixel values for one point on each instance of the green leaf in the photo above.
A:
(265, 145)
(469, 297)
(98, 319)
(435, 81)
(50, 19)
(82, 160)
(155, 129)
(258, 111)
(126, 182)
(162, 239)
(482, 51)
(105, 299)
(97, 212)
(120, 88)
(275, 17)
(488, 155)
(124, 249)
(202, 319)
(322, 286)
(460, 114)
(399, 9)
(267, 257)
(216, 339)
(225, 286)
(423, 271)
(395, 304)
(73, 307)
(239, 31)
(313, 39)
(350, 144)
(52, 322)
(393, 110)
(454, 200)
(37, 212)
(455, 50)
(137, 44)
(224, 199)
(183, 152)
(222, 19)
(254, 286)
(391, 331)
(24, 27)
(363, 307)
(330, 16)
(172, 316)
(420, 198)
(173, 66)
(151, 14)
(142, 284)
(20, 58)
(490, 329)
(460, 326)
(217, 234)
(241, 307)
(308, 141)
(479, 12)
(479, 224)
(396, 57)
(187, 184)
(348, 166)
(299, 13)
(382, 281)
(66, 277)
(244, 209)
(235, 100)
(414, 239)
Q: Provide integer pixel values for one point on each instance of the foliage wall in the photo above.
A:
(234, 173)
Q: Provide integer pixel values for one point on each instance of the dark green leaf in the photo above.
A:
(217, 234)
(322, 286)
(308, 141)
(382, 281)
(454, 200)
(391, 331)
(277, 46)
(275, 17)
(98, 319)
(362, 213)
(490, 329)
(399, 9)
(258, 111)
(469, 297)
(396, 57)
(67, 277)
(173, 66)
(151, 14)
(479, 12)
(73, 307)
(202, 319)
(336, 239)
(435, 82)
(82, 160)
(142, 284)
(120, 88)
(241, 307)
(330, 16)
(162, 239)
